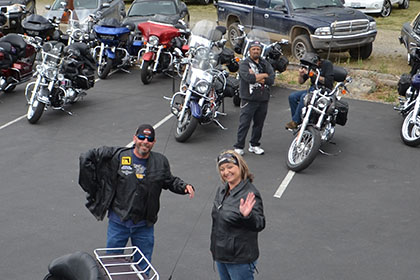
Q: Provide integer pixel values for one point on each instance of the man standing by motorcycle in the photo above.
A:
(326, 79)
(256, 78)
(127, 182)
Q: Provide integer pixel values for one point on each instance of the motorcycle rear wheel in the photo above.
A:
(103, 70)
(185, 127)
(145, 73)
(410, 133)
(299, 158)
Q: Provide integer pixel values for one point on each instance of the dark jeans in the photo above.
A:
(251, 111)
(232, 271)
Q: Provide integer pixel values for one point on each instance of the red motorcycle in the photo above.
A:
(16, 60)
(166, 45)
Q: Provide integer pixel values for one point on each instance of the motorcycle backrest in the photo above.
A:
(75, 266)
(340, 74)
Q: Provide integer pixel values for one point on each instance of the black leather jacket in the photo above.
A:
(102, 171)
(234, 238)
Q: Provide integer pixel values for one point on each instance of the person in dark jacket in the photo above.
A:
(126, 183)
(256, 78)
(238, 217)
(326, 79)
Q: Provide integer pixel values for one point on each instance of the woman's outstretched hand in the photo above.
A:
(245, 206)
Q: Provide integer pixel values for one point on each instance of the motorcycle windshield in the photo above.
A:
(257, 35)
(203, 34)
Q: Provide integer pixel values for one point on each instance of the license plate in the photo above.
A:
(355, 4)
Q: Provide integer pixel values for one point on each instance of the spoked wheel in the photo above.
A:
(104, 68)
(146, 72)
(185, 127)
(301, 156)
(386, 9)
(410, 132)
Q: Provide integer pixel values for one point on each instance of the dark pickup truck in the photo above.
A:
(321, 25)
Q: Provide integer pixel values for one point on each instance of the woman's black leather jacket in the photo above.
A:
(234, 238)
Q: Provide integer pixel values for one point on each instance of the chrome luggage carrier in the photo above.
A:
(119, 265)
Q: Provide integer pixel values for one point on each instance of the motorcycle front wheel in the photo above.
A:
(185, 127)
(35, 111)
(301, 156)
(146, 73)
(410, 133)
(104, 69)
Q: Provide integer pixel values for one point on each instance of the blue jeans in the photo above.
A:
(141, 236)
(240, 271)
(296, 104)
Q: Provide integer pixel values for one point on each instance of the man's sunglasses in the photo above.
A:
(149, 138)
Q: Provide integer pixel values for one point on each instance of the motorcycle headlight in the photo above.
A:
(51, 73)
(202, 87)
(322, 103)
(60, 77)
(39, 68)
(153, 40)
(78, 34)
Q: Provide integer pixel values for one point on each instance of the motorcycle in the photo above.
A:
(323, 109)
(409, 100)
(61, 78)
(272, 52)
(108, 263)
(16, 61)
(203, 81)
(165, 47)
(119, 47)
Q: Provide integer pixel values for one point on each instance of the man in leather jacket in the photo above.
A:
(127, 183)
(256, 78)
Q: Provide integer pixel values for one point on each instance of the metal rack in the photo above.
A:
(119, 265)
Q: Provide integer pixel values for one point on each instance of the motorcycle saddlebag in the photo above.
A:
(232, 86)
(6, 59)
(343, 109)
(226, 56)
(404, 83)
(279, 64)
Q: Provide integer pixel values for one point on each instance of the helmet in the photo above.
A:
(310, 59)
(415, 81)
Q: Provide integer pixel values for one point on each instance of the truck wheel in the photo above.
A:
(362, 52)
(301, 45)
(233, 32)
(386, 9)
(405, 4)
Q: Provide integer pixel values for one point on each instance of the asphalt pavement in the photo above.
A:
(351, 215)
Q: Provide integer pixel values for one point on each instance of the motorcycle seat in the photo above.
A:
(16, 41)
(75, 266)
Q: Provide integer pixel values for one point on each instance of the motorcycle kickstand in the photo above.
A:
(220, 125)
(330, 154)
(65, 111)
(125, 70)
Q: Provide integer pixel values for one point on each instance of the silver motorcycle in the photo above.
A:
(61, 78)
(203, 81)
(322, 110)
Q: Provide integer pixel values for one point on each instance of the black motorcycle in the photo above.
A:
(61, 78)
(409, 100)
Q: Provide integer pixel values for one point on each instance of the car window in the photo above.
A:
(149, 8)
(276, 4)
(78, 4)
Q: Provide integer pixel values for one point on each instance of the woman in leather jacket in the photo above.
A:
(237, 217)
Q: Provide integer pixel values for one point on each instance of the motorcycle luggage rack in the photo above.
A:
(119, 265)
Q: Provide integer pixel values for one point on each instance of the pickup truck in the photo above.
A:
(310, 26)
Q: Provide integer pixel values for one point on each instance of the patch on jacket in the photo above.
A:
(126, 161)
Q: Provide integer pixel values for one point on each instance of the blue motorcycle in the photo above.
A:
(119, 47)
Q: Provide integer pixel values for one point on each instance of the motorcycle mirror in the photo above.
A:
(47, 7)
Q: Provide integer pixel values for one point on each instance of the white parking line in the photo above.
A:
(12, 122)
(162, 121)
(284, 184)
